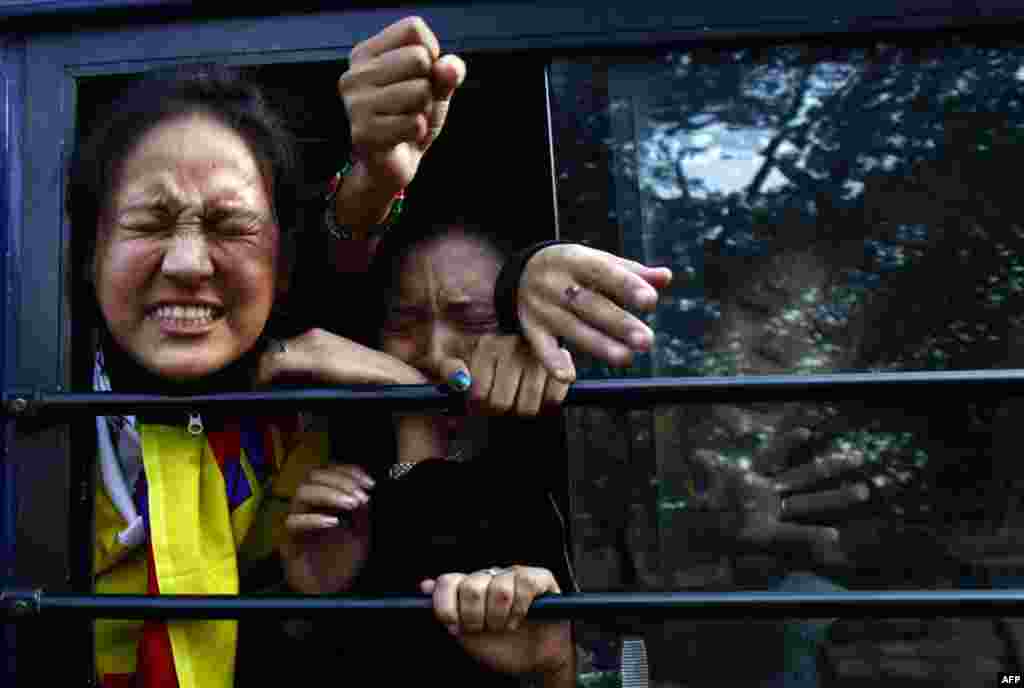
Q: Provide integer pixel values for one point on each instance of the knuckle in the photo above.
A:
(596, 272)
(416, 24)
(532, 583)
(360, 131)
(424, 62)
(418, 28)
(470, 593)
(508, 344)
(548, 281)
(503, 596)
(449, 579)
(484, 344)
(626, 280)
(423, 92)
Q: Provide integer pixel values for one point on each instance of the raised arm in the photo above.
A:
(396, 91)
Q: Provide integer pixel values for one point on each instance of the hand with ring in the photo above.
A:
(321, 357)
(581, 295)
(486, 612)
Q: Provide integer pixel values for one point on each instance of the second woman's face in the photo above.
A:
(186, 264)
(443, 304)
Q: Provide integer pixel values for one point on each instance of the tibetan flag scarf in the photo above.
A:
(177, 507)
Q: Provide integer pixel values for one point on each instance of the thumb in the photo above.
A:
(448, 74)
(456, 374)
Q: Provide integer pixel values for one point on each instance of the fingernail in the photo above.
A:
(460, 381)
(331, 521)
(349, 502)
(363, 497)
(638, 339)
(564, 375)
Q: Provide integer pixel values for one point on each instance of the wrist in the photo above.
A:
(364, 202)
(561, 676)
(419, 438)
(506, 287)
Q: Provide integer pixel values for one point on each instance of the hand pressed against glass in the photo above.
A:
(187, 257)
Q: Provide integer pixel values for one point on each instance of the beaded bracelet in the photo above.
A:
(330, 218)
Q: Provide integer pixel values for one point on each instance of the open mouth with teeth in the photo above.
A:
(185, 317)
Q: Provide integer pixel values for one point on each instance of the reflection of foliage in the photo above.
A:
(877, 446)
(824, 209)
(599, 679)
(874, 158)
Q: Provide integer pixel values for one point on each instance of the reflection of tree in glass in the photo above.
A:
(837, 209)
(834, 209)
(888, 164)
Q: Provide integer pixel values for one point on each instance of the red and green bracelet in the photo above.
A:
(330, 218)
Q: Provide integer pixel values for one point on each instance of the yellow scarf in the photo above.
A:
(202, 528)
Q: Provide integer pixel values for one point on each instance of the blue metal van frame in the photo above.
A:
(45, 46)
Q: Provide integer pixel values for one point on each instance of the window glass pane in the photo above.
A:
(824, 209)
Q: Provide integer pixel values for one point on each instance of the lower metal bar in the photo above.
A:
(583, 606)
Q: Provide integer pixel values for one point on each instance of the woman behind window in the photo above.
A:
(461, 512)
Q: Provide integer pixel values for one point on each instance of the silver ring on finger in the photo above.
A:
(493, 571)
(572, 292)
(782, 507)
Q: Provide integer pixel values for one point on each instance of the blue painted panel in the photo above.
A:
(135, 9)
(65, 7)
(11, 66)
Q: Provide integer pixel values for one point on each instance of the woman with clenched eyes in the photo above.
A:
(186, 194)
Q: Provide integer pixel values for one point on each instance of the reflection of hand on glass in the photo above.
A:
(785, 513)
(761, 510)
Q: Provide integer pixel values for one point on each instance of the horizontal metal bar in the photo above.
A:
(583, 606)
(636, 392)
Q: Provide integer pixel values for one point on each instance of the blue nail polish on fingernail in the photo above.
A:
(460, 381)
